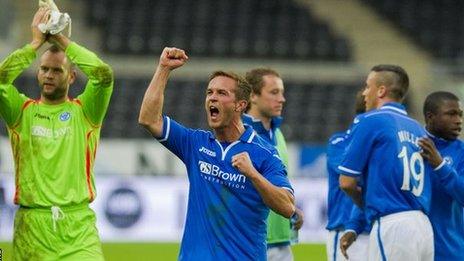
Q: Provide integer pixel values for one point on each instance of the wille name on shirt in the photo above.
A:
(406, 136)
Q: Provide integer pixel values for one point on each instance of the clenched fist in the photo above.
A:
(242, 163)
(172, 58)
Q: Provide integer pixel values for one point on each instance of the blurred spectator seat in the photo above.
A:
(277, 29)
(438, 26)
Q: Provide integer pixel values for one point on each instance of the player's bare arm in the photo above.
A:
(38, 38)
(59, 40)
(150, 116)
(278, 199)
(430, 152)
(349, 185)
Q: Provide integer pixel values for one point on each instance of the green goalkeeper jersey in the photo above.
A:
(278, 227)
(54, 146)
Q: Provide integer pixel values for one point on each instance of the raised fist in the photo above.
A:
(172, 58)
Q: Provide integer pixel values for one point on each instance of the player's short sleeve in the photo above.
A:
(176, 138)
(275, 172)
(360, 142)
(334, 148)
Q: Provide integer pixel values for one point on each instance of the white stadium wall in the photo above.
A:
(153, 208)
(142, 192)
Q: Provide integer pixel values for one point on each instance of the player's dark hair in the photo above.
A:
(395, 78)
(243, 90)
(433, 101)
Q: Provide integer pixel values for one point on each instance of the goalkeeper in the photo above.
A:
(54, 140)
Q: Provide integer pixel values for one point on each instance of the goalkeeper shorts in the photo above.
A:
(67, 233)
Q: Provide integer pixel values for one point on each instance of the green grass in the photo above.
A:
(168, 251)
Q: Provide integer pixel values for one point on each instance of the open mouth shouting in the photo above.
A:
(213, 112)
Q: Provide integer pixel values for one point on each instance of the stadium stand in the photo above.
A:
(278, 29)
(311, 115)
(435, 25)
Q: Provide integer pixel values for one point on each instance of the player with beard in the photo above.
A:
(54, 140)
(235, 176)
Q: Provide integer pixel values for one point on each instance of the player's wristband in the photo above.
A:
(440, 166)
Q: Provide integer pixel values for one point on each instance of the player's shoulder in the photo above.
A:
(260, 145)
(248, 119)
(367, 120)
(375, 114)
(202, 134)
(459, 145)
(385, 116)
(174, 124)
(337, 138)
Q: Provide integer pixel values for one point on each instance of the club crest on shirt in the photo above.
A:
(448, 160)
(65, 116)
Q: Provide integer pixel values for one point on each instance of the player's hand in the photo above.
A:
(242, 163)
(172, 58)
(299, 220)
(430, 152)
(41, 16)
(345, 242)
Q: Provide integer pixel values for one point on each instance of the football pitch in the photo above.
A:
(168, 251)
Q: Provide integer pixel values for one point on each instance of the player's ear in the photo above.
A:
(382, 91)
(428, 116)
(72, 76)
(241, 105)
(253, 97)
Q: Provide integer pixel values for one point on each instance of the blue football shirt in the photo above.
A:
(446, 212)
(358, 222)
(338, 203)
(341, 211)
(257, 125)
(226, 216)
(384, 147)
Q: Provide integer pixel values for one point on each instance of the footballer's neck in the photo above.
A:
(385, 100)
(230, 133)
(45, 100)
